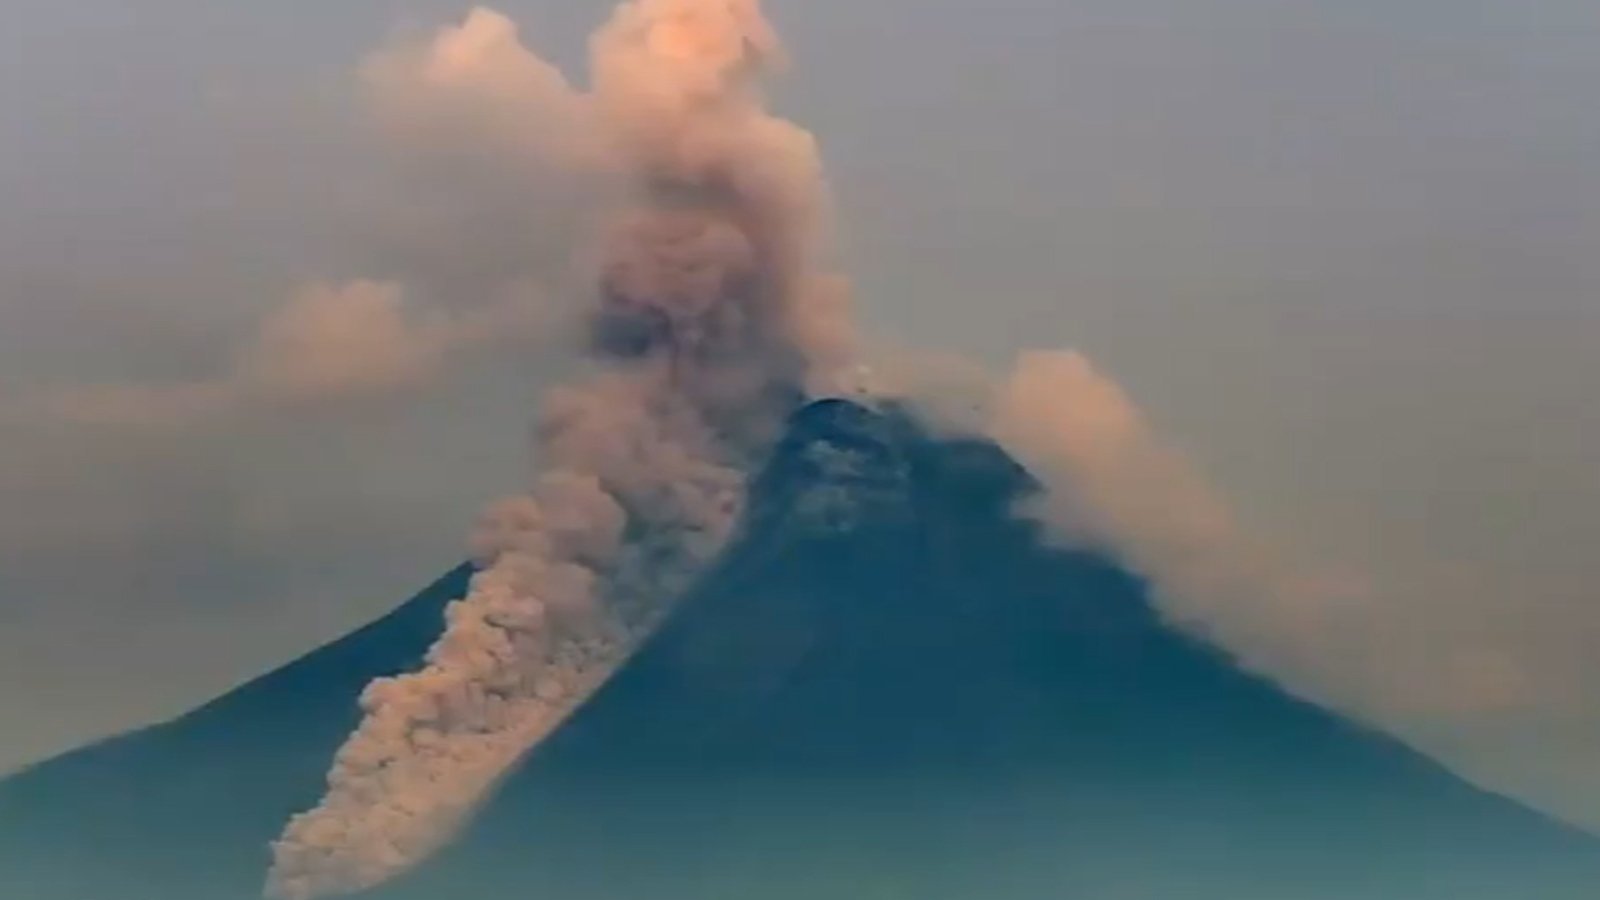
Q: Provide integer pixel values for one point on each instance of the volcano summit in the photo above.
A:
(887, 686)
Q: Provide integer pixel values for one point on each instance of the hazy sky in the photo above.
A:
(1346, 255)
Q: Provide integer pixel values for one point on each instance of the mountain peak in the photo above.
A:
(888, 686)
(838, 465)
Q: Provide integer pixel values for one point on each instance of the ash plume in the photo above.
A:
(712, 317)
(1111, 484)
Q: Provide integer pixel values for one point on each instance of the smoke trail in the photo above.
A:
(1110, 483)
(711, 319)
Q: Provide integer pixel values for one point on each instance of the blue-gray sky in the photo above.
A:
(1343, 255)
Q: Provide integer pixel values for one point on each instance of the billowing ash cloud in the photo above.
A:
(1111, 483)
(327, 342)
(710, 318)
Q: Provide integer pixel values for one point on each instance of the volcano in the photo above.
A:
(889, 686)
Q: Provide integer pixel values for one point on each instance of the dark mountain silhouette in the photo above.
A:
(889, 687)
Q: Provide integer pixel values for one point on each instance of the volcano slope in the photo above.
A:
(888, 687)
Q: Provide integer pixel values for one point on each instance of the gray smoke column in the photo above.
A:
(711, 319)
